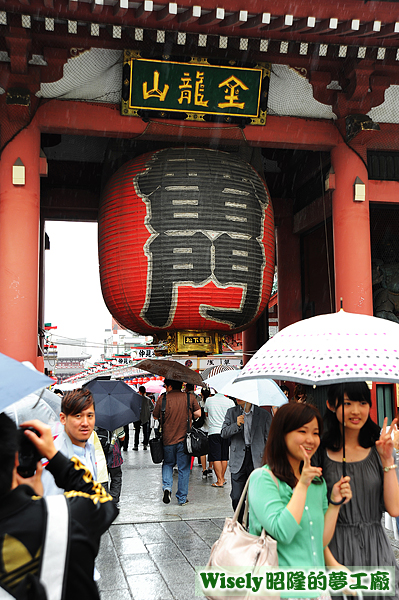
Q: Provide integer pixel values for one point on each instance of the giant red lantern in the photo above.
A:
(186, 242)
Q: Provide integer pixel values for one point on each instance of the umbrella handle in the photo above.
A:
(344, 474)
(337, 503)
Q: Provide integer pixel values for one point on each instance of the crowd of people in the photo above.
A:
(298, 492)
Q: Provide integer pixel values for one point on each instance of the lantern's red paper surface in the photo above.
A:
(186, 241)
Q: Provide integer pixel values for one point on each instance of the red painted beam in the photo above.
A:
(383, 191)
(71, 117)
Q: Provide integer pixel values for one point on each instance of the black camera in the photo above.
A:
(28, 454)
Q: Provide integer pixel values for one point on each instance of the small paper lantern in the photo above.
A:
(186, 242)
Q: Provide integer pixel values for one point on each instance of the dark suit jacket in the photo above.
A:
(261, 421)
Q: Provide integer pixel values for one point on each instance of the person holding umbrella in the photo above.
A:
(174, 432)
(370, 461)
(247, 427)
(288, 497)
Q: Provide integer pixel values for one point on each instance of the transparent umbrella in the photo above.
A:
(45, 407)
(262, 392)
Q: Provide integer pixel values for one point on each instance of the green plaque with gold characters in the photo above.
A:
(194, 90)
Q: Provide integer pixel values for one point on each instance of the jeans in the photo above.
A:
(173, 455)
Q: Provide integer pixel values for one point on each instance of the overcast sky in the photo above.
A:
(73, 299)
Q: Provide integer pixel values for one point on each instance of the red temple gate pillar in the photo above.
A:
(351, 227)
(288, 265)
(19, 247)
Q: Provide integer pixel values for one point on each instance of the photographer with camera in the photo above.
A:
(40, 537)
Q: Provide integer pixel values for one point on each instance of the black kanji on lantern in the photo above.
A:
(205, 213)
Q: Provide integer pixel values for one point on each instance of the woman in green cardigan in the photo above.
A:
(293, 506)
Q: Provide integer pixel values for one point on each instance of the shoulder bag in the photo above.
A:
(156, 443)
(196, 441)
(238, 549)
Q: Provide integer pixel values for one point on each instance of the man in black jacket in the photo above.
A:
(23, 516)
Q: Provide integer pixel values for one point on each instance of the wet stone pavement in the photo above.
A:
(152, 549)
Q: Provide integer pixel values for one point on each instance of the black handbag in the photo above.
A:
(196, 441)
(156, 443)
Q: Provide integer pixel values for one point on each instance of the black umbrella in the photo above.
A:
(170, 369)
(116, 403)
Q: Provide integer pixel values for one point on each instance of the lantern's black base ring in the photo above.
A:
(337, 503)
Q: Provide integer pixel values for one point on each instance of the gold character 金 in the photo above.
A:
(155, 92)
(233, 85)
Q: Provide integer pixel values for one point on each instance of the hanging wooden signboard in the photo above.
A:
(194, 90)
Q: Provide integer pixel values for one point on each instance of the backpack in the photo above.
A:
(105, 439)
(50, 584)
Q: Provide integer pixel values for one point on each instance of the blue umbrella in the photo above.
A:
(17, 381)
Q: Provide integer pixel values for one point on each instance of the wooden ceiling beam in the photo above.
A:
(389, 30)
(326, 26)
(255, 22)
(305, 25)
(280, 24)
(145, 9)
(234, 19)
(215, 16)
(97, 6)
(121, 7)
(167, 13)
(190, 15)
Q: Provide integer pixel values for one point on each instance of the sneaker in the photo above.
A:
(166, 497)
(183, 503)
(145, 448)
(204, 474)
(135, 448)
(210, 472)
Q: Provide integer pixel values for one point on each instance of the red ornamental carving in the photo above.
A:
(186, 241)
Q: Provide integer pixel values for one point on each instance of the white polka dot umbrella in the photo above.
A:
(333, 348)
(330, 348)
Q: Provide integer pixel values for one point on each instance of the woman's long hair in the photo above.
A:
(289, 417)
(357, 392)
